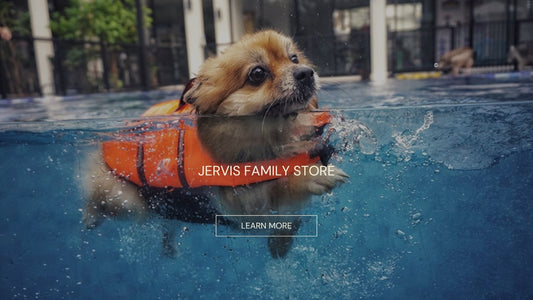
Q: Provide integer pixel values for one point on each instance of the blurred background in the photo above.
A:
(65, 47)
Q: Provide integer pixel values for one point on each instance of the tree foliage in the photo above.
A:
(109, 21)
(17, 21)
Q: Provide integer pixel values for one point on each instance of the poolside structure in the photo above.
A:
(367, 39)
(40, 27)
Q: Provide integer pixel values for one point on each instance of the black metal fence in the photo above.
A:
(419, 49)
(89, 67)
(18, 73)
(338, 55)
(414, 50)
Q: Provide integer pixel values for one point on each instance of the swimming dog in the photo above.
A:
(251, 103)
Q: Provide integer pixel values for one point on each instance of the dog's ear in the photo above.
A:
(188, 86)
(189, 91)
(204, 95)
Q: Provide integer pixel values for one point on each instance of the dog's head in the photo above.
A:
(263, 74)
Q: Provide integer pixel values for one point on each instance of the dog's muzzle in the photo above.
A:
(304, 78)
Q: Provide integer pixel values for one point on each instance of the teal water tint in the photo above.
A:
(438, 206)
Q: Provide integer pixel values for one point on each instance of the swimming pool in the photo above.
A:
(438, 205)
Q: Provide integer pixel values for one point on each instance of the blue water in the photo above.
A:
(438, 206)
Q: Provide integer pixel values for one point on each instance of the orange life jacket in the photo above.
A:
(171, 155)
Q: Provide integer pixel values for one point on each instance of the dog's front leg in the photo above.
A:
(169, 238)
(292, 192)
(109, 196)
(280, 245)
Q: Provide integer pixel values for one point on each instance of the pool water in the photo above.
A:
(438, 204)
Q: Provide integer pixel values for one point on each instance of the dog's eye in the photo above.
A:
(257, 75)
(294, 58)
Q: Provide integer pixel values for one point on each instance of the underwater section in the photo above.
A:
(437, 206)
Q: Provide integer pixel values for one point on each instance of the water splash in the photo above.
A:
(352, 135)
(404, 141)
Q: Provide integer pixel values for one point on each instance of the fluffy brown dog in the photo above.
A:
(457, 59)
(255, 92)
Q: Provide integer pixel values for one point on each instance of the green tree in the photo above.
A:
(110, 22)
(17, 21)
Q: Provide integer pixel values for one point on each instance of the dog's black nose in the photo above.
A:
(304, 75)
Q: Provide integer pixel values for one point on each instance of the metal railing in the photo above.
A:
(89, 67)
(338, 55)
(490, 41)
(18, 73)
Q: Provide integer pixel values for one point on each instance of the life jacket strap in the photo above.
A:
(181, 160)
(140, 164)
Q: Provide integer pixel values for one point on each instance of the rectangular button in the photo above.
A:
(266, 226)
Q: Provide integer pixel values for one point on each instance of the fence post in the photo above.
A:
(516, 30)
(105, 75)
(378, 41)
(43, 47)
(3, 80)
(471, 25)
(142, 45)
(452, 37)
(194, 34)
(58, 67)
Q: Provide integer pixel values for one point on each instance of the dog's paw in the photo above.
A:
(322, 184)
(169, 248)
(91, 217)
(170, 251)
(279, 246)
